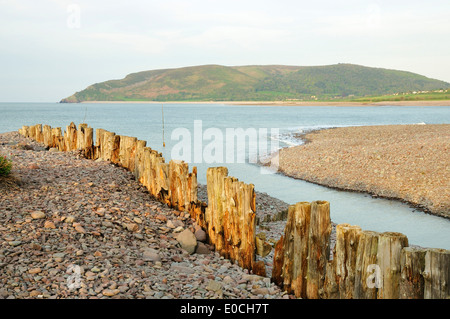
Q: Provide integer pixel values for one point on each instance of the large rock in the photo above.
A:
(187, 241)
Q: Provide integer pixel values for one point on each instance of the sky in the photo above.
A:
(51, 49)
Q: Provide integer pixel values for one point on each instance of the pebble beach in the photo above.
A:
(406, 162)
(76, 228)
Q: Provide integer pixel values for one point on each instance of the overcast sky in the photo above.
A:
(52, 48)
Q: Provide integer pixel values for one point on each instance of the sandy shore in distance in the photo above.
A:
(408, 162)
(293, 103)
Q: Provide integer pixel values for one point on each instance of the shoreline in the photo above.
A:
(284, 103)
(341, 182)
(62, 209)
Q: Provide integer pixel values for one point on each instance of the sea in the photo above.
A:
(199, 134)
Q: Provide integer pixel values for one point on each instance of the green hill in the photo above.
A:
(257, 83)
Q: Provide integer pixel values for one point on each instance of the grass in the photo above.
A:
(431, 96)
(5, 166)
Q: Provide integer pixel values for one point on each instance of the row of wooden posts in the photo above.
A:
(229, 218)
(362, 265)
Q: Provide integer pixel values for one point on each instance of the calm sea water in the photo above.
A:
(144, 121)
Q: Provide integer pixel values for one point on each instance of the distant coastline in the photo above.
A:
(289, 103)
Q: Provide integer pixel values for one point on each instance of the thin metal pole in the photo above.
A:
(162, 112)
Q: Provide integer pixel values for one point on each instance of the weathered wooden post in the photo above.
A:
(347, 238)
(88, 149)
(80, 143)
(412, 267)
(366, 263)
(127, 152)
(32, 132)
(47, 135)
(39, 136)
(437, 274)
(70, 137)
(296, 248)
(330, 288)
(230, 216)
(214, 215)
(98, 143)
(390, 245)
(278, 261)
(319, 247)
(110, 146)
(139, 165)
(197, 211)
(58, 139)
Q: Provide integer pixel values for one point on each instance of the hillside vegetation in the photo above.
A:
(258, 83)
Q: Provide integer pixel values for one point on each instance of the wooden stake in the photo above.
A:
(437, 274)
(366, 260)
(390, 245)
(319, 247)
(412, 267)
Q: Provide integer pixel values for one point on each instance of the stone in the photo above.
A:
(15, 243)
(132, 227)
(180, 268)
(59, 257)
(178, 229)
(202, 249)
(80, 229)
(49, 224)
(34, 271)
(33, 166)
(35, 246)
(187, 241)
(110, 292)
(53, 150)
(69, 219)
(38, 215)
(200, 235)
(170, 224)
(151, 254)
(214, 286)
(260, 291)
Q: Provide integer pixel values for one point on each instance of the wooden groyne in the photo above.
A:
(363, 264)
(229, 217)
